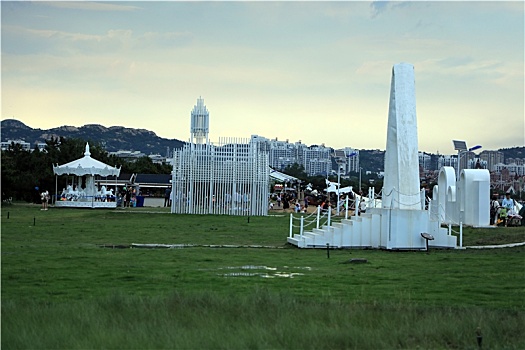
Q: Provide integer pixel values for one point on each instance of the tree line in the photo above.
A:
(25, 173)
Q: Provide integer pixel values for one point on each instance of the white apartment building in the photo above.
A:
(424, 160)
(26, 146)
(492, 158)
(447, 160)
(513, 168)
(316, 160)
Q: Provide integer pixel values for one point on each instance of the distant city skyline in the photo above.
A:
(318, 72)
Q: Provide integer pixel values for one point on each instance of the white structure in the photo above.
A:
(230, 178)
(84, 171)
(402, 219)
(200, 123)
(315, 159)
(26, 146)
(466, 200)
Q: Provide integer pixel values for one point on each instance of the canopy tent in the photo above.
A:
(333, 189)
(278, 176)
(90, 196)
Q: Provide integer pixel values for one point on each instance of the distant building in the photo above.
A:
(492, 158)
(424, 161)
(130, 156)
(157, 159)
(447, 160)
(26, 146)
(316, 160)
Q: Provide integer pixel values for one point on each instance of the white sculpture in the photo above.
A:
(402, 222)
(465, 200)
(401, 183)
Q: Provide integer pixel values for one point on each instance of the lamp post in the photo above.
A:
(461, 147)
(360, 180)
(353, 154)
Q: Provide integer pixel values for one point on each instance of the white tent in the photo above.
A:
(278, 176)
(90, 197)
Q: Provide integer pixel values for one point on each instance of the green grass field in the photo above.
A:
(62, 289)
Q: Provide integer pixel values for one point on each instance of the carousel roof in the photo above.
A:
(86, 166)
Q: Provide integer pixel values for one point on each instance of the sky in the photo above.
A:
(315, 72)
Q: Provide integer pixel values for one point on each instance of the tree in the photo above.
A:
(296, 170)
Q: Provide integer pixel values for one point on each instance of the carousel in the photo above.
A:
(80, 190)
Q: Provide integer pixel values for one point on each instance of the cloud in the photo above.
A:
(378, 7)
(90, 6)
(20, 40)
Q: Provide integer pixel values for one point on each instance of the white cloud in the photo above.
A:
(89, 5)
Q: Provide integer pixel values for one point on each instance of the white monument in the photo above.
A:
(402, 221)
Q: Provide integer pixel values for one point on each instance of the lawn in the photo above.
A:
(70, 280)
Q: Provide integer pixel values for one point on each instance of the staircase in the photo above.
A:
(375, 229)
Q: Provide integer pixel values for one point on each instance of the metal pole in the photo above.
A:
(457, 165)
(302, 225)
(291, 224)
(360, 180)
(461, 235)
(338, 186)
(318, 215)
(346, 207)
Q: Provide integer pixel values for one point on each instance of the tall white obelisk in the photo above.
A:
(401, 189)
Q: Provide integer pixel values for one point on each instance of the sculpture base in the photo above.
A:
(79, 204)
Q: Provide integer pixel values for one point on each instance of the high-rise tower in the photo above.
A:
(200, 122)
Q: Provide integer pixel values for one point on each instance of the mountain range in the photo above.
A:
(113, 139)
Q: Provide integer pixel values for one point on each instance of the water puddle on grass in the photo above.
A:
(265, 271)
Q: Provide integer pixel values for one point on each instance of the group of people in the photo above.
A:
(285, 199)
(504, 213)
(289, 201)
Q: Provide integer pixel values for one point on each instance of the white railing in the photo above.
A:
(321, 217)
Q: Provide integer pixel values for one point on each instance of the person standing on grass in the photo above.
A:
(44, 197)
(507, 203)
(494, 208)
(362, 206)
(167, 195)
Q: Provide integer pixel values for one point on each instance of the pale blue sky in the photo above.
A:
(318, 72)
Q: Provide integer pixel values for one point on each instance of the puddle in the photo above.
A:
(266, 274)
(250, 267)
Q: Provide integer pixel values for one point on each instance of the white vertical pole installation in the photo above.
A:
(230, 178)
